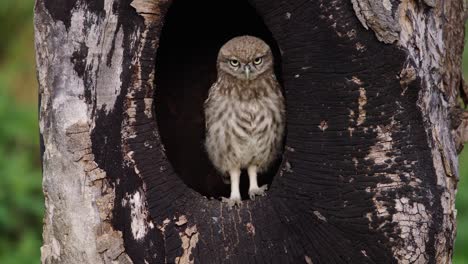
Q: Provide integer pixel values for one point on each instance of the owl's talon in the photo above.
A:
(260, 191)
(231, 202)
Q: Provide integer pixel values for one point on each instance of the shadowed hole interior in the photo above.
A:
(193, 33)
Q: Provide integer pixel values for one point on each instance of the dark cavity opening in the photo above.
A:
(193, 33)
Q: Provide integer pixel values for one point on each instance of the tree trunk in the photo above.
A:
(369, 171)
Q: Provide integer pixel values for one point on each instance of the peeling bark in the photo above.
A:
(368, 175)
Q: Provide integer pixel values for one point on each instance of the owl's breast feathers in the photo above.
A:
(244, 123)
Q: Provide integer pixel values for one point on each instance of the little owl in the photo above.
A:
(244, 114)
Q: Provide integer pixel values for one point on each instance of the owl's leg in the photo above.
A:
(253, 185)
(235, 198)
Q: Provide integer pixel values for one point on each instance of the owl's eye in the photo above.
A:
(258, 61)
(234, 63)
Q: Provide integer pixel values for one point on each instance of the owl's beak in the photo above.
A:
(247, 71)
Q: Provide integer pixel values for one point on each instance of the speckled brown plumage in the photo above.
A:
(244, 114)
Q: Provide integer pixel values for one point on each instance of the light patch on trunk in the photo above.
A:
(162, 227)
(182, 220)
(149, 107)
(100, 43)
(411, 219)
(189, 241)
(323, 125)
(320, 216)
(250, 229)
(140, 224)
(67, 86)
(378, 152)
(356, 80)
(413, 223)
(131, 161)
(72, 109)
(360, 47)
(351, 115)
(107, 86)
(362, 101)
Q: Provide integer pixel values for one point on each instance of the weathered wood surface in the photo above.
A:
(370, 168)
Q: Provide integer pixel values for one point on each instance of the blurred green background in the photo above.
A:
(21, 200)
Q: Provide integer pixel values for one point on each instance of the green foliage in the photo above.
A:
(13, 15)
(21, 202)
(461, 203)
(21, 199)
(461, 243)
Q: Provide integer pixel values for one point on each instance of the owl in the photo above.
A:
(244, 114)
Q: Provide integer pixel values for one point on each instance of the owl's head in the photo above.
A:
(245, 58)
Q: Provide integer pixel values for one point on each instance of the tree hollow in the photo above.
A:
(192, 35)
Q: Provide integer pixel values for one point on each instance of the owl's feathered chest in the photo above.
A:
(243, 130)
(250, 106)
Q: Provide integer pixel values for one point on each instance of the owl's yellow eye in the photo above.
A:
(234, 63)
(258, 61)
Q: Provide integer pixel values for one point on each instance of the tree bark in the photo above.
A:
(369, 171)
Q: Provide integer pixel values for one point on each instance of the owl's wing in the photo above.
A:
(209, 103)
(211, 92)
